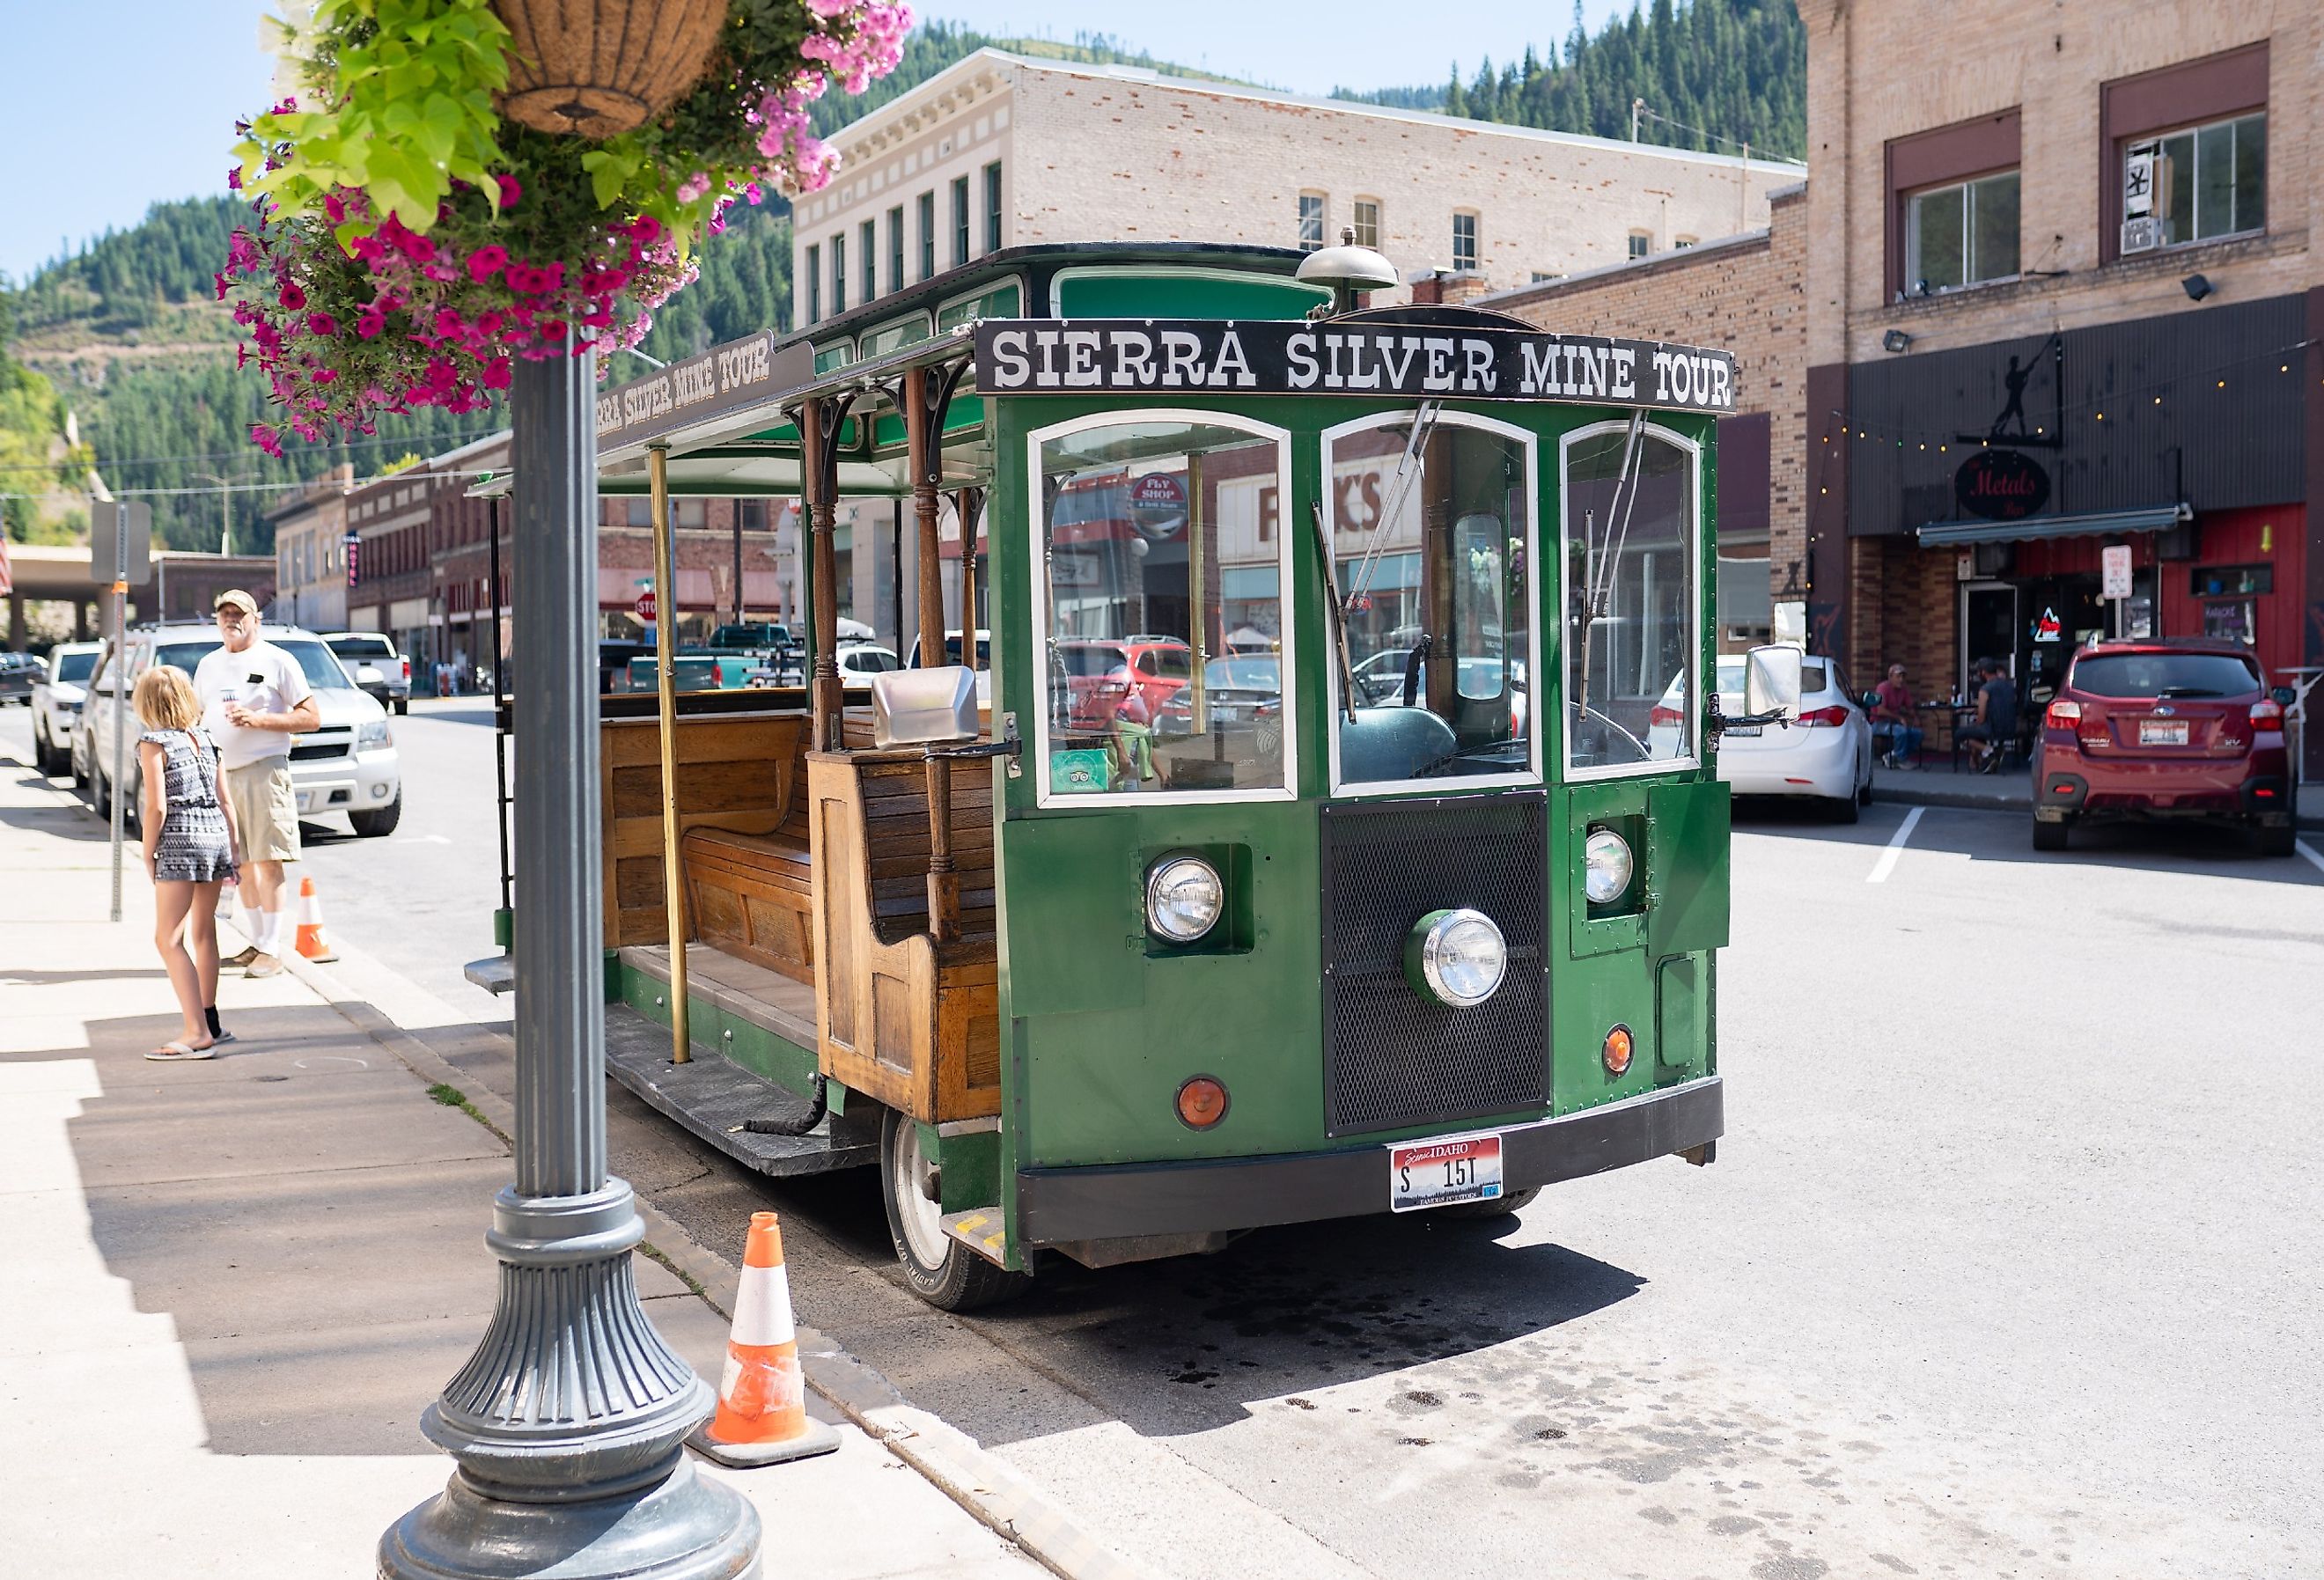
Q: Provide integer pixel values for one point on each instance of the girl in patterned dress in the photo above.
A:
(190, 850)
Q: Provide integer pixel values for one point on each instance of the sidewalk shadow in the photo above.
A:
(71, 822)
(9, 978)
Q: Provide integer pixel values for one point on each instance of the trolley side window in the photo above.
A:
(1632, 647)
(1162, 549)
(1431, 520)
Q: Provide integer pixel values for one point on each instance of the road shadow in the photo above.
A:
(2200, 849)
(1798, 815)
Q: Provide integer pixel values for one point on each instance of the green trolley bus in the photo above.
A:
(1333, 831)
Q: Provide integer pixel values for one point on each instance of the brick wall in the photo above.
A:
(1746, 293)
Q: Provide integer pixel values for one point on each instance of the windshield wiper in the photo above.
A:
(1339, 613)
(2189, 691)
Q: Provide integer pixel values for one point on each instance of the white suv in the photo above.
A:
(348, 764)
(56, 699)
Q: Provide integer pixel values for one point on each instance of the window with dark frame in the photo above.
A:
(1464, 243)
(1641, 244)
(869, 231)
(992, 207)
(959, 221)
(927, 235)
(814, 285)
(1961, 235)
(896, 247)
(838, 274)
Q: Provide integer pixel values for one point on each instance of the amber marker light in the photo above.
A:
(1617, 1051)
(1201, 1102)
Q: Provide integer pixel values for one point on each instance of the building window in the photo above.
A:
(992, 207)
(1961, 235)
(838, 274)
(1367, 225)
(754, 514)
(1539, 278)
(928, 234)
(1464, 244)
(870, 232)
(959, 221)
(896, 247)
(1641, 244)
(689, 512)
(2195, 185)
(1681, 242)
(1310, 221)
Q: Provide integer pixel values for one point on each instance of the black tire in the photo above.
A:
(402, 706)
(2051, 836)
(72, 766)
(1841, 808)
(44, 755)
(1515, 1201)
(2283, 841)
(957, 1280)
(1863, 791)
(373, 824)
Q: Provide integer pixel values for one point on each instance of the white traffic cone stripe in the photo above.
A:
(762, 1307)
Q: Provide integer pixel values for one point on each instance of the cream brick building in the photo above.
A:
(1001, 151)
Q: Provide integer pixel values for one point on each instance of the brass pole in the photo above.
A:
(1198, 623)
(964, 507)
(822, 582)
(673, 865)
(919, 427)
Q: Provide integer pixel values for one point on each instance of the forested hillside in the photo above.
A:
(1715, 75)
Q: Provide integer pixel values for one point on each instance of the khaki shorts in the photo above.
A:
(265, 810)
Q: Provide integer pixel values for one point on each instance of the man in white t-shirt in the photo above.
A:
(255, 697)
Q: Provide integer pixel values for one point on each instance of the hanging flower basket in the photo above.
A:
(409, 243)
(597, 67)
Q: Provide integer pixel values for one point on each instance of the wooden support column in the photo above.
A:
(673, 865)
(818, 481)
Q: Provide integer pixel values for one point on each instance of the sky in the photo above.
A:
(125, 103)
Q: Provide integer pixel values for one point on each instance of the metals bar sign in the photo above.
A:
(1421, 360)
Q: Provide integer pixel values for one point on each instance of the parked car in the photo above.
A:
(374, 666)
(57, 702)
(2181, 728)
(348, 764)
(952, 656)
(1102, 672)
(613, 656)
(859, 661)
(1826, 755)
(1239, 692)
(19, 673)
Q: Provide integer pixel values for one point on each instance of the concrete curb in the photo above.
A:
(1939, 795)
(951, 1461)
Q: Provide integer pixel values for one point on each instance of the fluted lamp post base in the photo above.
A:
(681, 1526)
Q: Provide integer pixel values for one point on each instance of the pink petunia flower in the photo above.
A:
(322, 323)
(486, 261)
(293, 297)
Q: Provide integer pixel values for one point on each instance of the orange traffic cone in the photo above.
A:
(761, 1416)
(311, 943)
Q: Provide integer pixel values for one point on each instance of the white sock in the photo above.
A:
(269, 933)
(252, 920)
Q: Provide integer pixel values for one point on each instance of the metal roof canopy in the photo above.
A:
(2154, 518)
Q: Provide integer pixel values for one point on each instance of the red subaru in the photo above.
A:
(2176, 728)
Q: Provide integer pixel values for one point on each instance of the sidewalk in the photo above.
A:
(2009, 791)
(236, 1283)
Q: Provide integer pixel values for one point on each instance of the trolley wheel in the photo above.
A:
(372, 825)
(1515, 1201)
(941, 1270)
(2051, 836)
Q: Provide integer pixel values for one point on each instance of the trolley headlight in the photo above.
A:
(1457, 957)
(1606, 866)
(1184, 898)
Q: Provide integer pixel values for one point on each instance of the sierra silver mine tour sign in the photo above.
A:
(726, 378)
(1164, 356)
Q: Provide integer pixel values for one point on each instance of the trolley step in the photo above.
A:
(714, 1097)
(980, 1230)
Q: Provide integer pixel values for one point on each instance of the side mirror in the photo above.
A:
(2284, 695)
(924, 707)
(1771, 681)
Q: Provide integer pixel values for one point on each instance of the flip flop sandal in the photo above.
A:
(174, 1052)
(221, 1038)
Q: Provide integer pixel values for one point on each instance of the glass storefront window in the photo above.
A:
(1431, 519)
(1631, 603)
(1161, 571)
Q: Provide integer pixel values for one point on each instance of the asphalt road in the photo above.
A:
(2006, 1267)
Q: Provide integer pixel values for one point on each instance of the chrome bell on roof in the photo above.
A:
(1348, 269)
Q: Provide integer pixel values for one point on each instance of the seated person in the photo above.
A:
(1995, 728)
(1892, 706)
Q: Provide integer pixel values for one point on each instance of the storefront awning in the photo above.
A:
(2099, 524)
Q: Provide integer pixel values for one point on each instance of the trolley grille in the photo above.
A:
(1393, 1057)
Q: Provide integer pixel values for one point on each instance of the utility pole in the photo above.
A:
(1637, 106)
(225, 510)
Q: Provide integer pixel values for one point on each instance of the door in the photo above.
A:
(1989, 630)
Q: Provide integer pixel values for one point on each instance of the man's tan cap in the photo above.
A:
(236, 596)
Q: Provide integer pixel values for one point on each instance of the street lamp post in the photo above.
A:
(567, 1422)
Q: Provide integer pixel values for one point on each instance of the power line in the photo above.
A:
(371, 443)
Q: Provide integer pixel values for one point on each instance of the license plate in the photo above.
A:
(306, 802)
(2162, 732)
(1440, 1172)
(1741, 732)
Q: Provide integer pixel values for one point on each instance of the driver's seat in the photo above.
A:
(1382, 744)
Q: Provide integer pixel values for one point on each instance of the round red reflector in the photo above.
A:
(1201, 1102)
(1617, 1050)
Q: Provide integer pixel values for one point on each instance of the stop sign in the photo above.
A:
(645, 605)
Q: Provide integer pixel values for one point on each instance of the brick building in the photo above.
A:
(2064, 295)
(1748, 293)
(310, 571)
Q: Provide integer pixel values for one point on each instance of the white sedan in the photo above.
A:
(1827, 754)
